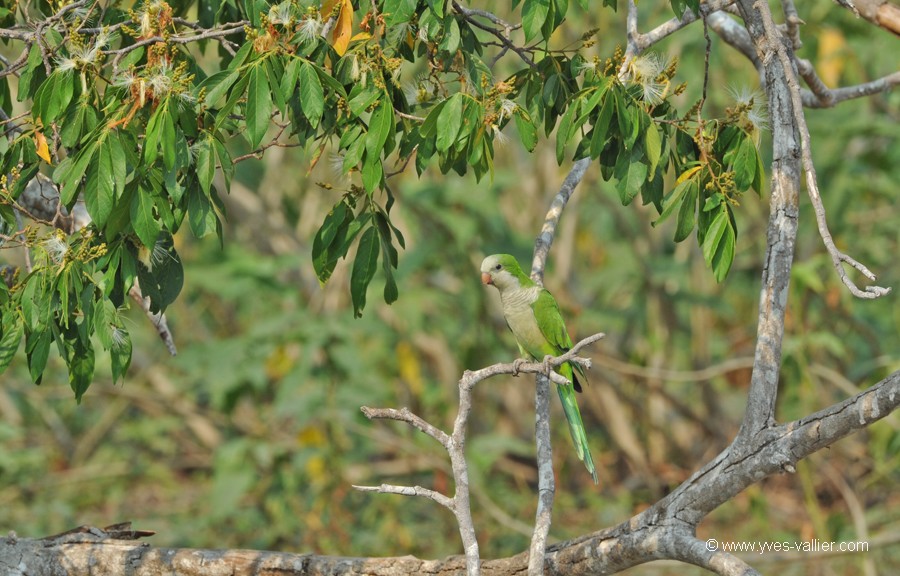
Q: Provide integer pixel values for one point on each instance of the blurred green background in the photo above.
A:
(252, 435)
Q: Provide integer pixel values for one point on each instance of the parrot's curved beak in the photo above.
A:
(486, 278)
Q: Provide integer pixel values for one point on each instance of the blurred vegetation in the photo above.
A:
(252, 435)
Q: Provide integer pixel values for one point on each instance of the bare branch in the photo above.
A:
(882, 13)
(546, 481)
(823, 97)
(409, 491)
(838, 258)
(470, 16)
(548, 230)
(404, 415)
(157, 319)
(639, 42)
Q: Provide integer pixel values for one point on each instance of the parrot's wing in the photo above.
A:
(550, 321)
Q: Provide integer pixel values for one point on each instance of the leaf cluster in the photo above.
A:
(119, 109)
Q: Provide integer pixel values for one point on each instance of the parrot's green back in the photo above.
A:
(533, 316)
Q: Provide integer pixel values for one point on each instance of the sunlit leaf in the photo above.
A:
(449, 122)
(13, 329)
(534, 13)
(343, 28)
(312, 95)
(43, 150)
(259, 106)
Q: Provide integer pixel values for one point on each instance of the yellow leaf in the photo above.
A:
(832, 56)
(42, 149)
(361, 36)
(327, 7)
(687, 174)
(343, 28)
(311, 436)
(410, 370)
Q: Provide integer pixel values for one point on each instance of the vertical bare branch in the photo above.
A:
(546, 481)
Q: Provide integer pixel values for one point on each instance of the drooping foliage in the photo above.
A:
(142, 113)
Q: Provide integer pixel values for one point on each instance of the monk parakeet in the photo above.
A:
(532, 315)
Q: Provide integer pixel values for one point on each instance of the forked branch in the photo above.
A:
(455, 443)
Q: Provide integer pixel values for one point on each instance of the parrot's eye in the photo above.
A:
(497, 267)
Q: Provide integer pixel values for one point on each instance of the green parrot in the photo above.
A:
(532, 315)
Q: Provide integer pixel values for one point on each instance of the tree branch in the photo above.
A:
(772, 46)
(663, 531)
(455, 443)
(546, 481)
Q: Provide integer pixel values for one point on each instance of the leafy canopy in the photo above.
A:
(123, 109)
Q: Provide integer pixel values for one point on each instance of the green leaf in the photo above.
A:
(673, 199)
(354, 153)
(450, 42)
(388, 258)
(69, 174)
(449, 123)
(275, 75)
(152, 135)
(145, 225)
(429, 126)
(601, 126)
(550, 91)
(170, 271)
(224, 159)
(629, 120)
(526, 129)
(312, 95)
(361, 102)
(290, 78)
(81, 366)
(259, 106)
(13, 328)
(565, 130)
(363, 269)
(234, 96)
(33, 74)
(685, 223)
(381, 126)
(631, 173)
(120, 354)
(760, 173)
(723, 256)
(201, 217)
(218, 85)
(324, 238)
(167, 139)
(398, 11)
(745, 163)
(718, 244)
(534, 13)
(206, 164)
(653, 146)
(118, 162)
(371, 172)
(37, 350)
(98, 187)
(53, 97)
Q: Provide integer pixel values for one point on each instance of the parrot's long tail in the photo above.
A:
(576, 426)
